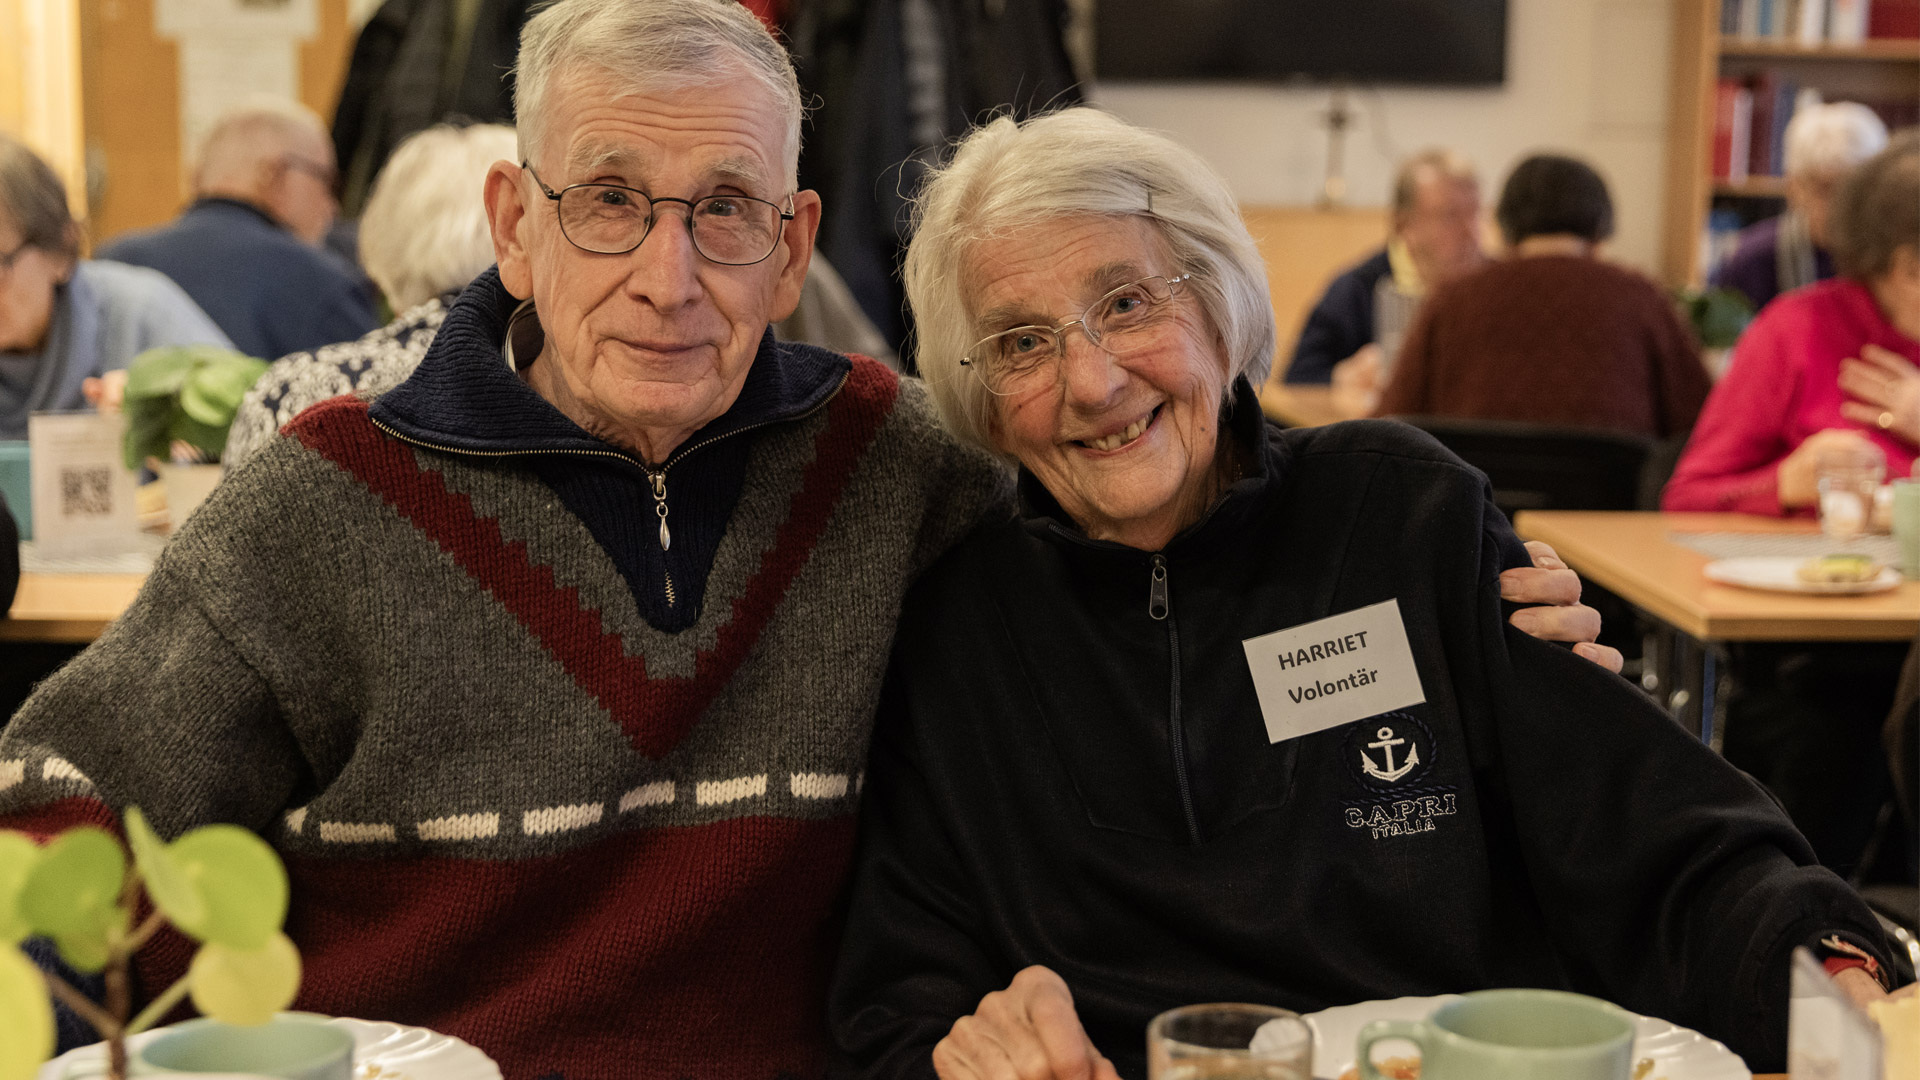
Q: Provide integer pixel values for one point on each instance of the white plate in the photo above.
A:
(1779, 573)
(1678, 1053)
(381, 1051)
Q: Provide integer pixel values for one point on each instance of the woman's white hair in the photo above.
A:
(424, 231)
(1829, 140)
(1077, 161)
(651, 46)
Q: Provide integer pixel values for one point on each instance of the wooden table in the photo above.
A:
(1632, 555)
(1303, 405)
(67, 608)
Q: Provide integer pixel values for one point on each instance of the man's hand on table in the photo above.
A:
(1029, 1031)
(1561, 616)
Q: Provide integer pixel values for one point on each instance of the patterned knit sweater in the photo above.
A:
(514, 810)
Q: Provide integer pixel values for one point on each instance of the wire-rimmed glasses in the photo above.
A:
(608, 219)
(1130, 318)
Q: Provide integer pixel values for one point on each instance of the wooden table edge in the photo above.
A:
(1703, 627)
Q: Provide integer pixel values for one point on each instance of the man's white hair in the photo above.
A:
(425, 231)
(1075, 162)
(651, 46)
(1829, 140)
(257, 132)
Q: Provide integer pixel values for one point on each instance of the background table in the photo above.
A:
(1635, 556)
(67, 608)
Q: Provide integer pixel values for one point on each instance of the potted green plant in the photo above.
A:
(219, 885)
(179, 402)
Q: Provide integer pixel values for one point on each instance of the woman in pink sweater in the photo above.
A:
(1832, 366)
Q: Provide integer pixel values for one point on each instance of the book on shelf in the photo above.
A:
(1820, 22)
(1732, 130)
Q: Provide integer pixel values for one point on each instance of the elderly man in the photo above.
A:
(550, 672)
(1823, 144)
(1355, 329)
(248, 249)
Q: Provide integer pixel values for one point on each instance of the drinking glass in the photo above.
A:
(1849, 480)
(1229, 1042)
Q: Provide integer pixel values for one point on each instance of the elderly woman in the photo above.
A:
(1780, 254)
(63, 319)
(1102, 785)
(1831, 368)
(1828, 371)
(423, 237)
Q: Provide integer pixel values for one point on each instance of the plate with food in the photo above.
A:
(381, 1051)
(1661, 1051)
(1836, 575)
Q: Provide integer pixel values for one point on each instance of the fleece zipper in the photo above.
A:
(1160, 607)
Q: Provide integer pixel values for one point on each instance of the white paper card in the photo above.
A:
(83, 495)
(1333, 671)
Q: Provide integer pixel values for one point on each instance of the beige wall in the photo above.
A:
(1586, 76)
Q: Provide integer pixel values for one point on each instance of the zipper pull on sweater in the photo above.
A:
(659, 482)
(1156, 593)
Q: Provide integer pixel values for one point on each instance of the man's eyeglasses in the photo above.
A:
(607, 219)
(1131, 318)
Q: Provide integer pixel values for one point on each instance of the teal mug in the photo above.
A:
(1906, 526)
(1512, 1035)
(291, 1046)
(16, 485)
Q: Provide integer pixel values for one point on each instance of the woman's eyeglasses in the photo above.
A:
(1132, 317)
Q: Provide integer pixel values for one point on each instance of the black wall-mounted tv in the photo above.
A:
(1406, 42)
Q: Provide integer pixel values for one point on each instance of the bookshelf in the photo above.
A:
(1877, 69)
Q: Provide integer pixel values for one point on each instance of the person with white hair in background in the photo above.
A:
(248, 249)
(1823, 144)
(423, 237)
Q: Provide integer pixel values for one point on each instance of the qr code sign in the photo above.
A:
(86, 492)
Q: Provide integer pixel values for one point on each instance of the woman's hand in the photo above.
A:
(1799, 475)
(1029, 1031)
(1562, 617)
(1886, 392)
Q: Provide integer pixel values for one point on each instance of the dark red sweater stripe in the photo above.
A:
(656, 713)
(48, 820)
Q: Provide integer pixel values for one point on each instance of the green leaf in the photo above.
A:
(147, 423)
(72, 894)
(168, 884)
(240, 881)
(213, 392)
(211, 440)
(26, 1016)
(18, 854)
(245, 986)
(161, 372)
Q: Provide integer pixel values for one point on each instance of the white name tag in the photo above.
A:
(1334, 671)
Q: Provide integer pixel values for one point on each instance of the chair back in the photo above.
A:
(1546, 466)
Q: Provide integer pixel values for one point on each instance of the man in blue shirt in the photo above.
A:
(248, 249)
(1357, 324)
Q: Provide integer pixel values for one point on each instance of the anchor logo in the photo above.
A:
(1385, 745)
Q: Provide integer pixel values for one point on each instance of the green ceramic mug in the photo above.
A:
(291, 1046)
(1512, 1035)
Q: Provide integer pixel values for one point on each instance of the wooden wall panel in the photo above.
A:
(1304, 250)
(132, 94)
(323, 59)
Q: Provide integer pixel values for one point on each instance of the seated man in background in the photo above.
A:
(248, 249)
(1823, 144)
(423, 237)
(1354, 331)
(1551, 333)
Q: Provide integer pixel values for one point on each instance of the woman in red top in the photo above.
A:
(1830, 366)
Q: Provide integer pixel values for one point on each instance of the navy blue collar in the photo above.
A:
(464, 397)
(237, 209)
